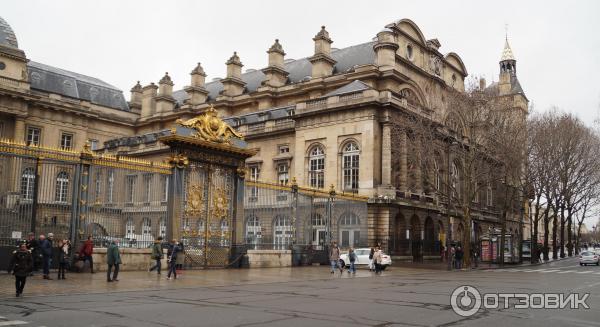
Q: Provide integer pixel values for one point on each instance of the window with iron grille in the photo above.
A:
(147, 187)
(165, 188)
(62, 187)
(162, 227)
(350, 162)
(130, 188)
(283, 174)
(110, 183)
(27, 183)
(34, 135)
(489, 196)
(98, 186)
(254, 176)
(66, 141)
(316, 168)
(130, 226)
(146, 226)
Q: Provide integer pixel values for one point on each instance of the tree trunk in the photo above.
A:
(554, 236)
(562, 230)
(502, 237)
(467, 237)
(569, 231)
(534, 237)
(546, 234)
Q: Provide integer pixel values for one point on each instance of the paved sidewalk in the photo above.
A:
(483, 266)
(85, 283)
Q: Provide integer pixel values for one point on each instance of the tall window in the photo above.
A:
(162, 227)
(33, 136)
(489, 196)
(282, 232)
(319, 232)
(349, 230)
(350, 162)
(147, 187)
(455, 180)
(98, 186)
(94, 144)
(66, 141)
(316, 167)
(27, 183)
(130, 188)
(253, 232)
(283, 175)
(62, 186)
(110, 183)
(164, 187)
(254, 176)
(146, 226)
(130, 226)
(436, 176)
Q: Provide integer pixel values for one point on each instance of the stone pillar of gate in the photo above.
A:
(176, 195)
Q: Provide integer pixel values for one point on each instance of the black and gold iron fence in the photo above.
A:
(76, 194)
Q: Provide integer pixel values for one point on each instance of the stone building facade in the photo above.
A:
(324, 120)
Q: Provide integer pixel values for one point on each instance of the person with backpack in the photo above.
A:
(352, 258)
(157, 254)
(334, 257)
(21, 264)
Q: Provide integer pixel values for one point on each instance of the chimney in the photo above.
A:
(148, 103)
(275, 74)
(482, 84)
(322, 63)
(197, 93)
(165, 101)
(233, 84)
(136, 97)
(385, 48)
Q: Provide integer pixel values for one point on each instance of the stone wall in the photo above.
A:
(269, 258)
(131, 259)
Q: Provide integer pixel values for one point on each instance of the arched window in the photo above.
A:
(349, 230)
(62, 187)
(316, 167)
(130, 227)
(282, 232)
(253, 231)
(27, 183)
(146, 226)
(350, 165)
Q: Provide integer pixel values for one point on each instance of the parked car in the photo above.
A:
(362, 258)
(588, 257)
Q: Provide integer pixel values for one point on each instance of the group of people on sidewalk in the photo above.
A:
(375, 259)
(175, 257)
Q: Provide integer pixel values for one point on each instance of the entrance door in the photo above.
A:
(319, 237)
(349, 238)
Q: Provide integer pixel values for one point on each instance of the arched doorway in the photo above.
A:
(416, 238)
(349, 226)
(400, 242)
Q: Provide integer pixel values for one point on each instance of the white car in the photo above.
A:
(362, 258)
(588, 257)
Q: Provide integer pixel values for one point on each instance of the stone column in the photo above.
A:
(19, 132)
(386, 156)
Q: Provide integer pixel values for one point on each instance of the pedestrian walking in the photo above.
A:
(157, 254)
(459, 257)
(113, 259)
(87, 251)
(453, 256)
(442, 253)
(172, 253)
(21, 264)
(64, 250)
(352, 259)
(334, 257)
(34, 249)
(180, 256)
(47, 252)
(377, 257)
(371, 264)
(475, 256)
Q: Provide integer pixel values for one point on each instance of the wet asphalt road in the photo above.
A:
(311, 297)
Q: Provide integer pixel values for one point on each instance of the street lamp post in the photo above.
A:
(449, 228)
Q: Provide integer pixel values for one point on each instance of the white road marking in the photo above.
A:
(584, 272)
(549, 271)
(567, 271)
(13, 322)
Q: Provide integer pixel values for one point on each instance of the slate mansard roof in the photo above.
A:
(59, 81)
(347, 58)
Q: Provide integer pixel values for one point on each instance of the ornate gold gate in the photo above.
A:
(208, 159)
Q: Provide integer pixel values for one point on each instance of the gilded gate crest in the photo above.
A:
(210, 128)
(194, 205)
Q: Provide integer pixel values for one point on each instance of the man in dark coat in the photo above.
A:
(47, 251)
(21, 264)
(174, 249)
(157, 254)
(34, 248)
(113, 259)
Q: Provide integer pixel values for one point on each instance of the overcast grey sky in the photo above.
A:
(556, 43)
